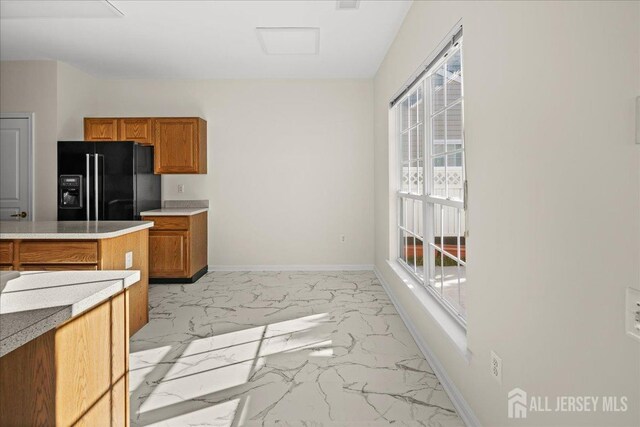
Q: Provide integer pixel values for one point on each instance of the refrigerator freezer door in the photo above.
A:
(116, 180)
(148, 185)
(76, 158)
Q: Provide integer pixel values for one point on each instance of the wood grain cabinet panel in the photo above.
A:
(58, 252)
(168, 222)
(180, 142)
(81, 383)
(74, 375)
(136, 129)
(100, 129)
(180, 145)
(27, 384)
(6, 252)
(168, 254)
(178, 247)
(103, 254)
(113, 258)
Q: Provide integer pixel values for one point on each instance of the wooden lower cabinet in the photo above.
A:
(177, 248)
(169, 254)
(76, 374)
(103, 254)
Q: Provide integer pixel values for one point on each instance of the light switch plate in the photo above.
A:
(632, 313)
(128, 260)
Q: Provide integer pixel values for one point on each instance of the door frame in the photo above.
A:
(30, 133)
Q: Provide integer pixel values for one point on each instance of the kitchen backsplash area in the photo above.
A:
(185, 204)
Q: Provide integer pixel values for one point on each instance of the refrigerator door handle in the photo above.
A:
(88, 189)
(95, 185)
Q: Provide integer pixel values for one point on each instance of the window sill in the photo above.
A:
(440, 315)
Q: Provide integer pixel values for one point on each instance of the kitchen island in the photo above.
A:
(64, 348)
(82, 245)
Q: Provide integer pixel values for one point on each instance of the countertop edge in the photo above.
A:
(174, 212)
(76, 236)
(34, 330)
(102, 295)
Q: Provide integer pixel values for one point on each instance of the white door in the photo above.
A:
(15, 174)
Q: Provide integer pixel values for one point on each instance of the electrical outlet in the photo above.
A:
(495, 367)
(343, 238)
(632, 313)
(180, 188)
(128, 260)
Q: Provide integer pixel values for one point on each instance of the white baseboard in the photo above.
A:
(461, 405)
(322, 267)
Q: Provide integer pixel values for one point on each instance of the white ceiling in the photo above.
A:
(206, 39)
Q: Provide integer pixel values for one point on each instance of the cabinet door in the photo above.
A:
(99, 129)
(6, 252)
(168, 254)
(135, 129)
(176, 145)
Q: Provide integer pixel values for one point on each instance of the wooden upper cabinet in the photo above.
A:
(136, 129)
(180, 145)
(100, 129)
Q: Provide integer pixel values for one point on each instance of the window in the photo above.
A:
(431, 193)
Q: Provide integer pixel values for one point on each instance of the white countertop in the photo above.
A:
(69, 229)
(39, 301)
(174, 212)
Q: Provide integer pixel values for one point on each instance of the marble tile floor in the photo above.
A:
(281, 349)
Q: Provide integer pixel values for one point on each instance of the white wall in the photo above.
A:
(31, 87)
(290, 161)
(290, 164)
(554, 198)
(78, 93)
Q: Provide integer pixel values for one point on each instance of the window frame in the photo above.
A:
(430, 201)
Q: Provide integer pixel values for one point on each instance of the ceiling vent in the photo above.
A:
(347, 4)
(61, 9)
(289, 40)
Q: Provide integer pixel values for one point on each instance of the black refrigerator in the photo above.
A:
(110, 181)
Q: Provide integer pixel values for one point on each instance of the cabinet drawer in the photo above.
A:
(6, 267)
(168, 222)
(54, 267)
(50, 252)
(6, 252)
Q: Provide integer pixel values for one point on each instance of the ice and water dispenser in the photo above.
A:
(70, 191)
